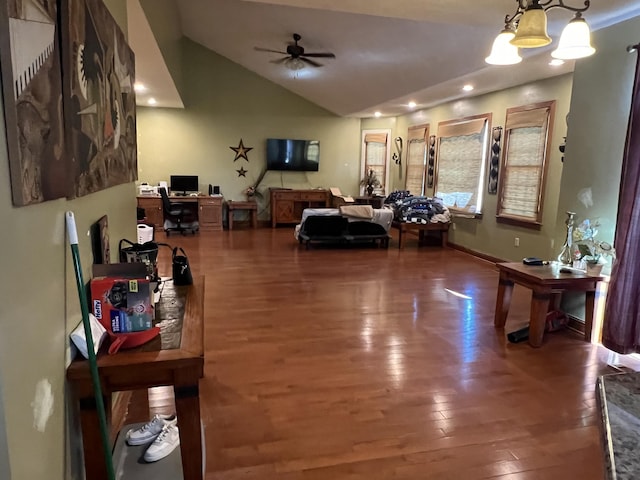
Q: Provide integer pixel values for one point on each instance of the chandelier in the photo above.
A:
(527, 28)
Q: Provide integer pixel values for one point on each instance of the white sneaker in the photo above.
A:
(150, 430)
(165, 443)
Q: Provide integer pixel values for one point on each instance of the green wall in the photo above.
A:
(225, 103)
(38, 308)
(485, 235)
(597, 130)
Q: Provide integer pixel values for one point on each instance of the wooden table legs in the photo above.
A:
(540, 301)
(503, 301)
(188, 412)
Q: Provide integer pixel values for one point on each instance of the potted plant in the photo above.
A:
(370, 182)
(594, 253)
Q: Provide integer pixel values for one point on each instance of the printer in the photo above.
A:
(146, 189)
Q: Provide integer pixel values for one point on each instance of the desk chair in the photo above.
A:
(174, 214)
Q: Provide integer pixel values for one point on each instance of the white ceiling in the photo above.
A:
(387, 52)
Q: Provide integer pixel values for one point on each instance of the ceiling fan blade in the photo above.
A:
(319, 55)
(280, 60)
(310, 62)
(260, 49)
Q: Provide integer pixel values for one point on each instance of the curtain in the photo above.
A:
(621, 329)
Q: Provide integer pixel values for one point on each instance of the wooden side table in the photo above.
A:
(174, 358)
(421, 229)
(251, 207)
(544, 282)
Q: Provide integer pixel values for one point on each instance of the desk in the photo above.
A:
(175, 358)
(208, 210)
(544, 281)
(421, 229)
(619, 407)
(251, 207)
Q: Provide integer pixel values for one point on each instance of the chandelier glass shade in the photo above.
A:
(527, 28)
(294, 64)
(503, 52)
(575, 41)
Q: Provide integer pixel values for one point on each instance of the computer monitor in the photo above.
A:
(181, 184)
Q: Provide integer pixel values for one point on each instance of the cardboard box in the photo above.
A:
(122, 304)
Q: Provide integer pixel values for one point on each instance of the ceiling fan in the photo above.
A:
(296, 58)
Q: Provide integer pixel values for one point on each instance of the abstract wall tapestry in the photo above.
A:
(99, 100)
(32, 97)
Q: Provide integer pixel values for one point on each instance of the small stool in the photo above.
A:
(251, 207)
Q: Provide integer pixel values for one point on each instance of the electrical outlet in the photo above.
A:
(516, 242)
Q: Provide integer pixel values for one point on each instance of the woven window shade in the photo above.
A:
(375, 159)
(462, 148)
(416, 158)
(523, 163)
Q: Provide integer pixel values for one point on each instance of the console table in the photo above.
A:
(250, 206)
(287, 205)
(209, 210)
(175, 357)
(544, 281)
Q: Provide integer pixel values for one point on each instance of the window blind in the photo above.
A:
(416, 158)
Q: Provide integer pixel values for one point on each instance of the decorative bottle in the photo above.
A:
(566, 254)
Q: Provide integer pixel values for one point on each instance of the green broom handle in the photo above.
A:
(93, 365)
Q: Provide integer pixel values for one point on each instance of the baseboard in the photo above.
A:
(474, 253)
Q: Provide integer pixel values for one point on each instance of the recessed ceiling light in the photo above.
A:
(467, 88)
(152, 101)
(412, 104)
(139, 87)
(556, 62)
(377, 114)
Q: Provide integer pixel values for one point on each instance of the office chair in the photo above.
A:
(174, 214)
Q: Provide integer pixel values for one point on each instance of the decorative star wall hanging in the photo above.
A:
(241, 151)
(242, 172)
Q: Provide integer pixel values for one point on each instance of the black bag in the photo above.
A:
(181, 269)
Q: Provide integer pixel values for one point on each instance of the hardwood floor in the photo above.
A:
(365, 363)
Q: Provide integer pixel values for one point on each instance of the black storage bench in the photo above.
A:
(337, 229)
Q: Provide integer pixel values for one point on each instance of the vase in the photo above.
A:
(370, 190)
(566, 253)
(594, 269)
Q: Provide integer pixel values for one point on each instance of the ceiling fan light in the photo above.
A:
(502, 52)
(294, 64)
(575, 41)
(532, 29)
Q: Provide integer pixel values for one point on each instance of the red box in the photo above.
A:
(122, 304)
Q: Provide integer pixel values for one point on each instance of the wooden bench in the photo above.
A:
(421, 230)
(251, 207)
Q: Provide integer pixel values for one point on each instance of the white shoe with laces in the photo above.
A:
(165, 443)
(150, 430)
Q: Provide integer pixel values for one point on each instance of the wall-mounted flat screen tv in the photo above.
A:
(293, 155)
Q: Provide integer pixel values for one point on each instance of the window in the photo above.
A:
(416, 158)
(523, 169)
(463, 147)
(375, 156)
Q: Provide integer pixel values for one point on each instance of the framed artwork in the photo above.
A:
(32, 97)
(494, 160)
(100, 241)
(98, 97)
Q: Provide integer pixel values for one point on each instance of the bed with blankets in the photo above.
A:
(345, 225)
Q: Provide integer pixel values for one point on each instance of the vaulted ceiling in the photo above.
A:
(387, 53)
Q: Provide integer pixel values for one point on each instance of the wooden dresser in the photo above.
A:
(209, 210)
(287, 205)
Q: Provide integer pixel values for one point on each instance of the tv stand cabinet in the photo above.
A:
(287, 205)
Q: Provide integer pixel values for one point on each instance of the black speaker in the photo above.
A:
(210, 189)
(216, 189)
